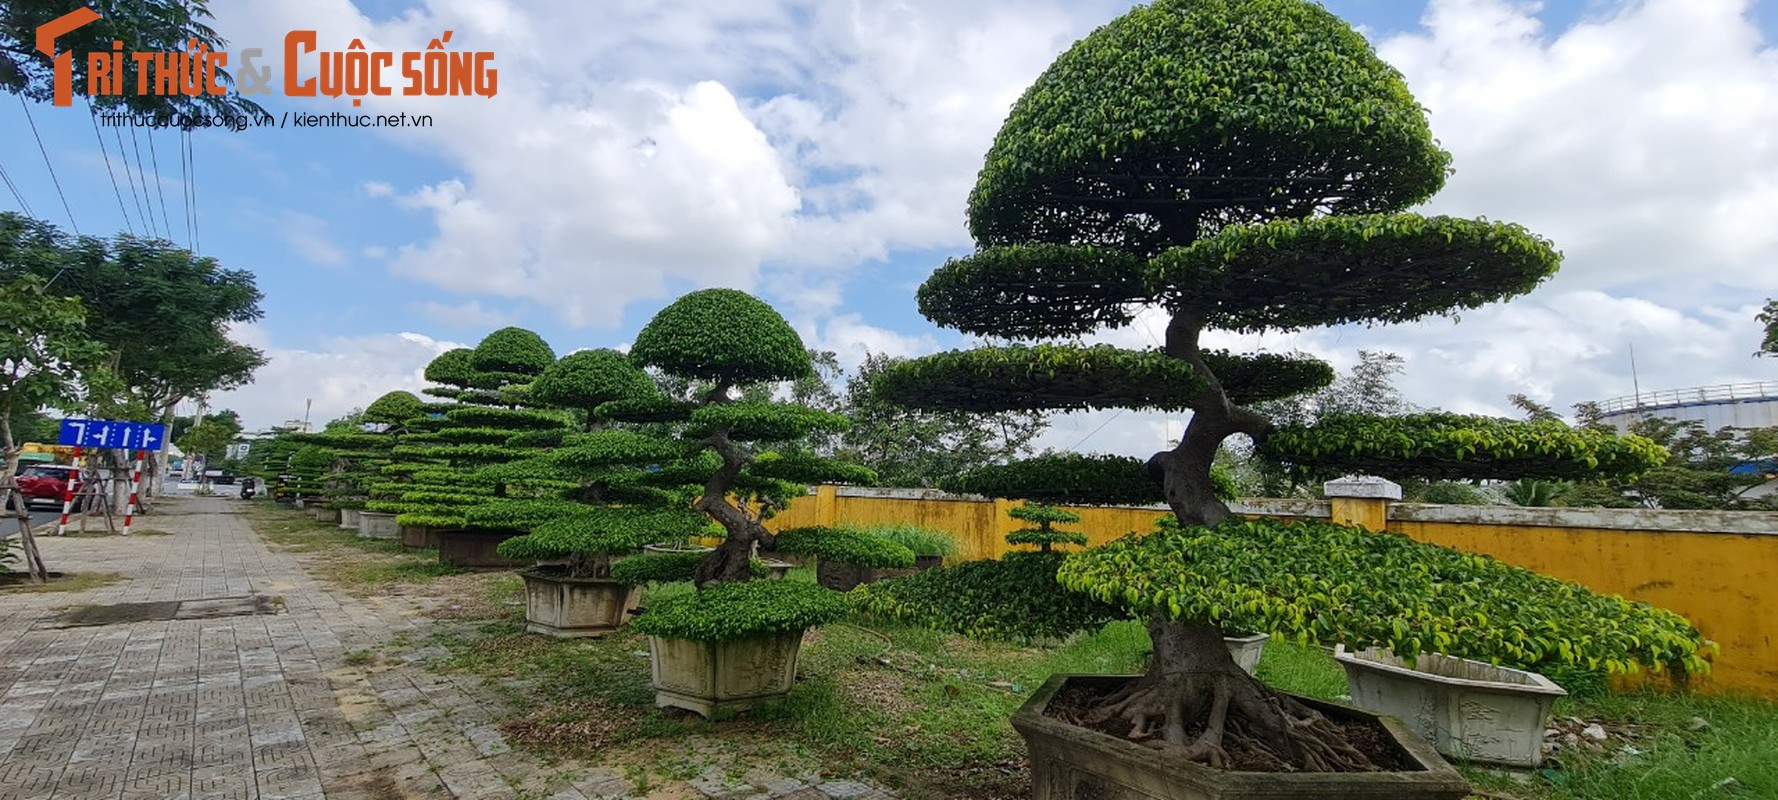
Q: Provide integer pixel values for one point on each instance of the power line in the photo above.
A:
(159, 187)
(191, 151)
(130, 173)
(185, 187)
(147, 199)
(52, 170)
(93, 116)
(15, 192)
(1108, 421)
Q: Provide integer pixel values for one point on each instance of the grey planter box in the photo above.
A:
(708, 677)
(349, 518)
(1073, 763)
(573, 608)
(326, 515)
(1468, 710)
(1246, 650)
(419, 537)
(476, 549)
(375, 525)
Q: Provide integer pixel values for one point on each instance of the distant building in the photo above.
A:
(1739, 405)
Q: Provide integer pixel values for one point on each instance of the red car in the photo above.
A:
(46, 482)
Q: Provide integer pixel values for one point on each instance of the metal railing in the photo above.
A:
(1760, 390)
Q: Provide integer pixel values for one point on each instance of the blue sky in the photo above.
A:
(819, 154)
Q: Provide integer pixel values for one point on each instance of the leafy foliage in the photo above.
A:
(1768, 317)
(1036, 290)
(515, 351)
(522, 515)
(642, 410)
(1014, 598)
(808, 468)
(452, 368)
(1065, 479)
(722, 335)
(601, 529)
(1045, 535)
(588, 378)
(1339, 584)
(1044, 376)
(1239, 110)
(603, 449)
(46, 354)
(756, 421)
(394, 408)
(847, 545)
(1457, 445)
(921, 448)
(511, 419)
(1298, 273)
(668, 568)
(919, 539)
(742, 610)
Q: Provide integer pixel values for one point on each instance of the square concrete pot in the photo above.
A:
(419, 537)
(707, 677)
(576, 608)
(476, 549)
(1074, 763)
(327, 515)
(376, 525)
(1468, 710)
(349, 518)
(1246, 650)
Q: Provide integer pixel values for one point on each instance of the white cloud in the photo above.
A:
(376, 189)
(471, 315)
(340, 374)
(308, 235)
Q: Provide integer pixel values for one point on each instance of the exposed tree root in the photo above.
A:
(1193, 684)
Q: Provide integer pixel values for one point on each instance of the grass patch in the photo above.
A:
(356, 564)
(928, 713)
(20, 583)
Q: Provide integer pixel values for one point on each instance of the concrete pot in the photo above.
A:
(418, 537)
(1246, 649)
(328, 515)
(349, 518)
(708, 677)
(778, 569)
(476, 549)
(1468, 710)
(1074, 763)
(574, 608)
(376, 525)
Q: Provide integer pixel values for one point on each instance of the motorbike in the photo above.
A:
(248, 488)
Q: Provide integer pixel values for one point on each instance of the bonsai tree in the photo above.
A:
(1044, 535)
(730, 340)
(605, 509)
(1245, 165)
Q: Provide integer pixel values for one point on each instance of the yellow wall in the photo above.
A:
(1725, 582)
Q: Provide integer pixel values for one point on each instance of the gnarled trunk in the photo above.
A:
(731, 560)
(1193, 683)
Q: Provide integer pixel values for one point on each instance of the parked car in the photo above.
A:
(46, 483)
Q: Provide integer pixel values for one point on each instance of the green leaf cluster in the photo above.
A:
(512, 350)
(919, 539)
(1065, 479)
(806, 468)
(1045, 535)
(1442, 445)
(589, 378)
(1326, 583)
(749, 421)
(722, 335)
(1043, 376)
(1014, 598)
(605, 530)
(847, 545)
(742, 610)
(394, 408)
(668, 568)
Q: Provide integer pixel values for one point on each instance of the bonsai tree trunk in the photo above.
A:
(1192, 676)
(589, 565)
(731, 560)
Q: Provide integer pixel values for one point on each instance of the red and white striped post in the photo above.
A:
(135, 485)
(68, 494)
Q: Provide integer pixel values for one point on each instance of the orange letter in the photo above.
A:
(297, 42)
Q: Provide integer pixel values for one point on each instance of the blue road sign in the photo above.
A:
(103, 433)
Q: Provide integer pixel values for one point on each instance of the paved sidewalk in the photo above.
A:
(261, 706)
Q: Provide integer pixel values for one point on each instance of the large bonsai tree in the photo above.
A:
(1245, 165)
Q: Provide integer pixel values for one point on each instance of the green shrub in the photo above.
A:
(730, 611)
(921, 540)
(1015, 598)
(845, 545)
(668, 568)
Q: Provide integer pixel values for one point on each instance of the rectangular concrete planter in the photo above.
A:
(1074, 763)
(475, 549)
(1246, 650)
(1468, 710)
(349, 518)
(376, 525)
(328, 515)
(418, 537)
(707, 677)
(573, 608)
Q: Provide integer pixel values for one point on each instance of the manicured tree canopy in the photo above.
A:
(733, 340)
(394, 409)
(513, 351)
(585, 380)
(1244, 165)
(1045, 535)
